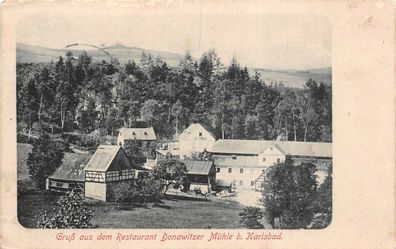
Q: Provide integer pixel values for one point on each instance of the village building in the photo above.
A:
(108, 165)
(70, 174)
(144, 138)
(201, 174)
(189, 143)
(242, 163)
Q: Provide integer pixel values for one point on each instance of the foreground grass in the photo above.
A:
(173, 212)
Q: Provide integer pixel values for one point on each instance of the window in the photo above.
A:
(252, 183)
(234, 157)
(145, 133)
(229, 170)
(241, 182)
(241, 170)
(133, 133)
(264, 159)
(218, 170)
(278, 160)
(200, 134)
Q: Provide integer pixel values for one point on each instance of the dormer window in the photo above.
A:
(145, 133)
(200, 134)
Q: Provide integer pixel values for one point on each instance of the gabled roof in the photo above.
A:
(256, 147)
(103, 157)
(196, 167)
(234, 146)
(72, 167)
(138, 133)
(193, 127)
(313, 149)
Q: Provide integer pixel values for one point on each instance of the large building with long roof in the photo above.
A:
(241, 163)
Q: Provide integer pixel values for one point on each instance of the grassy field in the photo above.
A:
(177, 212)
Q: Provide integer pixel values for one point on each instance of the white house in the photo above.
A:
(191, 141)
(141, 135)
(243, 162)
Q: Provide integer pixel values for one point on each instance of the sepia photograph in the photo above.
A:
(158, 121)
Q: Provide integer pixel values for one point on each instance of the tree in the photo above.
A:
(149, 111)
(71, 212)
(150, 189)
(250, 217)
(44, 159)
(177, 109)
(170, 171)
(134, 152)
(252, 127)
(323, 203)
(289, 191)
(307, 115)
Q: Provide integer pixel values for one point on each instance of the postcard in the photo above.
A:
(197, 124)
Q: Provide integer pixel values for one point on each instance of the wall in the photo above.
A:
(96, 190)
(193, 143)
(271, 156)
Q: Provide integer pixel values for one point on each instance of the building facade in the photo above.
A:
(242, 163)
(190, 142)
(108, 166)
(70, 174)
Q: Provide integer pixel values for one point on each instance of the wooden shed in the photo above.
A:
(108, 165)
(70, 175)
(202, 174)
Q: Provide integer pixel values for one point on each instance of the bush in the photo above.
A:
(123, 192)
(250, 217)
(72, 212)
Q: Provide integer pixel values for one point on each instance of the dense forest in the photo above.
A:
(79, 94)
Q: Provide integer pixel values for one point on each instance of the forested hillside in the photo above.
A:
(78, 94)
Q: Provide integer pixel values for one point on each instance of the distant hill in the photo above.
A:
(295, 78)
(35, 54)
(292, 78)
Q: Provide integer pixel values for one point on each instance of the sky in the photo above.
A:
(262, 41)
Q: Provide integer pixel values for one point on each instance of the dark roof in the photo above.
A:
(103, 157)
(138, 133)
(72, 167)
(256, 147)
(198, 167)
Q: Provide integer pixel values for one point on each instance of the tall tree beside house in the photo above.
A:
(170, 172)
(289, 191)
(44, 159)
(323, 202)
